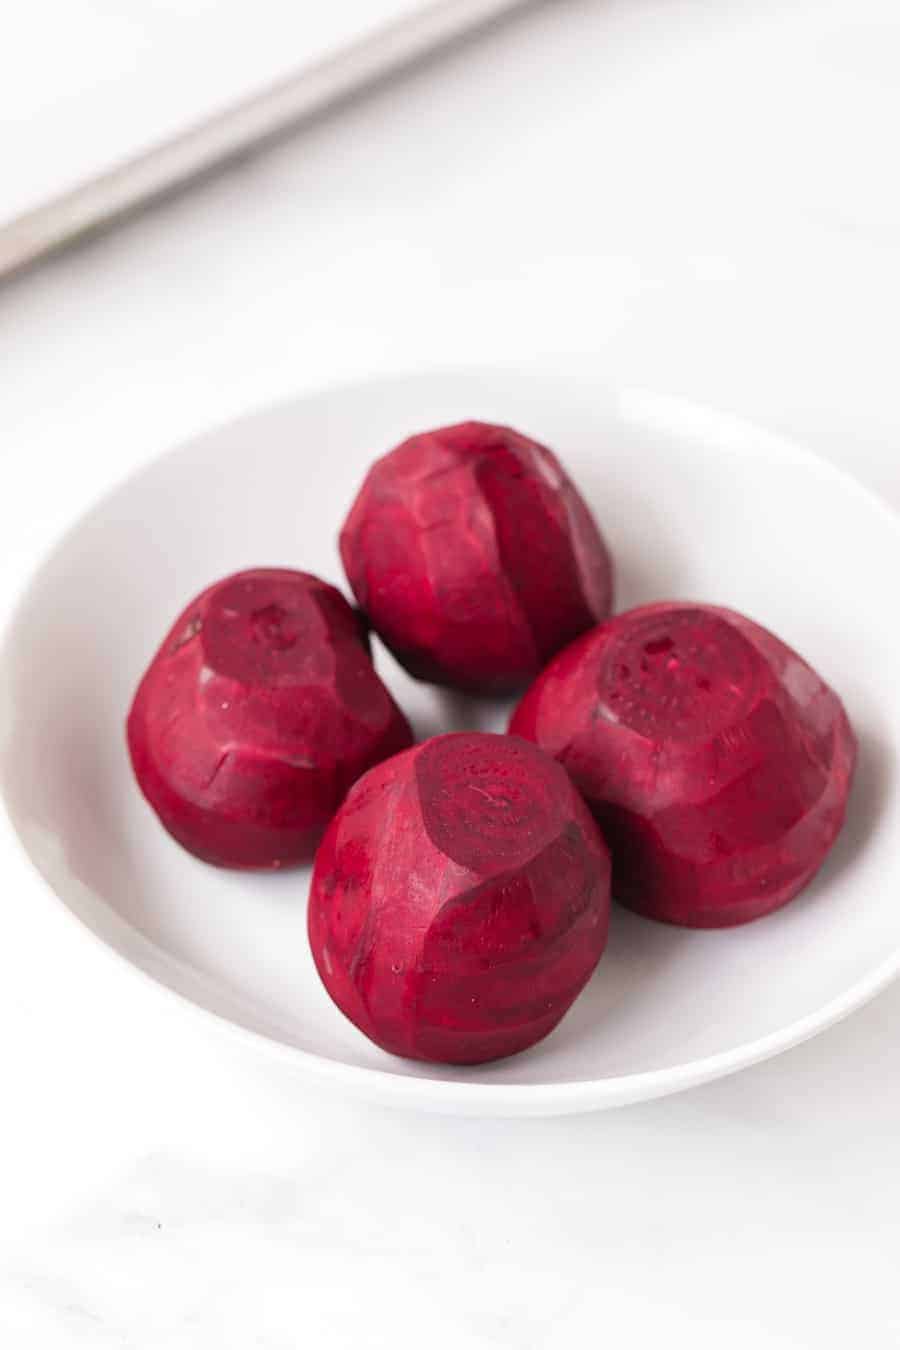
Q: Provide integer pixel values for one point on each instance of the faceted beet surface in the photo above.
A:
(257, 713)
(715, 759)
(474, 556)
(460, 899)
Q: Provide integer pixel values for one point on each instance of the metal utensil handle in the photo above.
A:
(101, 200)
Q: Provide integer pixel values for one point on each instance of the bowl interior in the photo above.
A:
(692, 505)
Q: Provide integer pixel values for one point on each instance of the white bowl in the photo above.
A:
(693, 505)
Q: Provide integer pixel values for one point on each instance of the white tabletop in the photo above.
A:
(86, 84)
(698, 195)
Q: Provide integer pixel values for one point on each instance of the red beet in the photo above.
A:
(259, 710)
(460, 899)
(716, 760)
(474, 556)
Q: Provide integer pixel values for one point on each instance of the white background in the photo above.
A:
(697, 194)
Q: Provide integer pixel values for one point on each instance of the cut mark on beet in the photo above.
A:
(484, 803)
(684, 674)
(265, 630)
(187, 634)
(272, 626)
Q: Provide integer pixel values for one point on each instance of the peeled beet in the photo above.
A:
(460, 899)
(716, 760)
(474, 556)
(257, 713)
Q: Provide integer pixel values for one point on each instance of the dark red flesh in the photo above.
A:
(460, 899)
(474, 556)
(716, 760)
(257, 713)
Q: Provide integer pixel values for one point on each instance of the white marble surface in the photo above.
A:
(698, 195)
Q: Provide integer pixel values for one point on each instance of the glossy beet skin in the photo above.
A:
(460, 899)
(259, 710)
(716, 760)
(474, 556)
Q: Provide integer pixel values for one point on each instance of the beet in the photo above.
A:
(257, 713)
(474, 556)
(460, 899)
(715, 759)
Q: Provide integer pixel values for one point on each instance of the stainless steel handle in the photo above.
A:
(100, 201)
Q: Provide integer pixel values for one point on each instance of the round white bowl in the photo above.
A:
(694, 505)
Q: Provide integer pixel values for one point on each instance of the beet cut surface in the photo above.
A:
(474, 556)
(460, 899)
(715, 759)
(257, 713)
